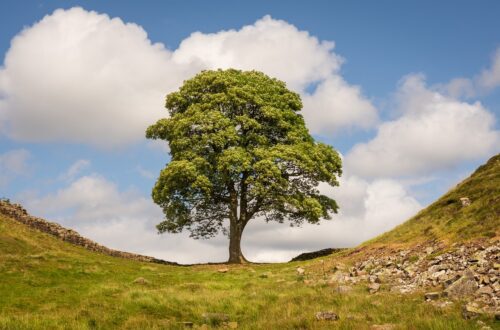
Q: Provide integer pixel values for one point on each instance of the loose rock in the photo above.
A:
(465, 201)
(141, 280)
(470, 311)
(326, 316)
(373, 287)
(387, 326)
(232, 325)
(464, 286)
(218, 317)
(343, 289)
(432, 295)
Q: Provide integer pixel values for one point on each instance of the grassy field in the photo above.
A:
(49, 284)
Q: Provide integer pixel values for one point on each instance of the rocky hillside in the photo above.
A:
(449, 251)
(465, 272)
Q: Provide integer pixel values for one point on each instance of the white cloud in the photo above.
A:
(336, 104)
(481, 84)
(433, 132)
(281, 50)
(367, 209)
(125, 220)
(84, 77)
(80, 76)
(75, 169)
(272, 46)
(459, 87)
(490, 78)
(92, 199)
(13, 163)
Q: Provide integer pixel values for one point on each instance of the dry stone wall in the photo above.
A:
(19, 214)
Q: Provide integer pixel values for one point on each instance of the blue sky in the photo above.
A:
(407, 92)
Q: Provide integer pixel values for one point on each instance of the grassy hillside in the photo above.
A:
(46, 283)
(448, 220)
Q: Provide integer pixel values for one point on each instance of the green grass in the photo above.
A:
(49, 284)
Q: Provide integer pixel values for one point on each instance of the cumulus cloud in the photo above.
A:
(125, 220)
(84, 77)
(13, 163)
(272, 46)
(336, 104)
(93, 199)
(367, 209)
(433, 132)
(281, 50)
(481, 84)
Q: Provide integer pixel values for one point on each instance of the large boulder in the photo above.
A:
(463, 287)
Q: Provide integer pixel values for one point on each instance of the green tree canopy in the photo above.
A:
(239, 149)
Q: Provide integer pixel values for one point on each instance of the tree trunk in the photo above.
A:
(235, 254)
(236, 226)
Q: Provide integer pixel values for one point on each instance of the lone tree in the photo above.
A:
(239, 149)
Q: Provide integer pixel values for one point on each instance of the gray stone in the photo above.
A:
(403, 289)
(339, 277)
(487, 290)
(432, 295)
(470, 311)
(450, 280)
(387, 326)
(326, 316)
(465, 286)
(141, 280)
(442, 304)
(373, 287)
(217, 317)
(232, 325)
(465, 201)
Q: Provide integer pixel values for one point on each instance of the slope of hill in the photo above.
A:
(471, 210)
(46, 282)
